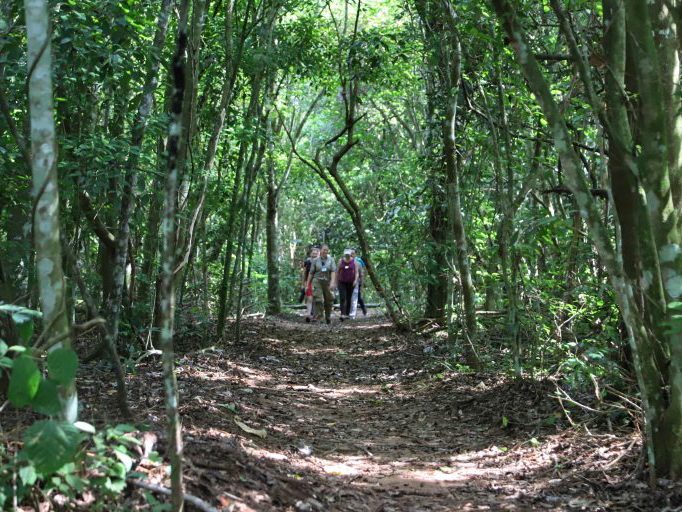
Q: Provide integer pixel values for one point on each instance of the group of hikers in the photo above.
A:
(321, 276)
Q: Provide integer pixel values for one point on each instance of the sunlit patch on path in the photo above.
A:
(299, 417)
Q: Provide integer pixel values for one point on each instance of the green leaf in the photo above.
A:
(114, 486)
(19, 310)
(6, 362)
(22, 318)
(125, 459)
(62, 364)
(28, 475)
(84, 427)
(76, 482)
(118, 469)
(3, 348)
(24, 327)
(46, 400)
(24, 381)
(50, 444)
(123, 428)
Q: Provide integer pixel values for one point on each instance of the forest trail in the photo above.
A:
(357, 418)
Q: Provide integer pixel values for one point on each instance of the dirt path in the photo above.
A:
(355, 421)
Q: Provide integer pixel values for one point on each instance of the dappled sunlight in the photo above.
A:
(294, 412)
(337, 392)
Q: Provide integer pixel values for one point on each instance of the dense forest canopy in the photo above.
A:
(509, 171)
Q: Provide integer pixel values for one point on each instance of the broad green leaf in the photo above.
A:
(3, 348)
(50, 444)
(28, 475)
(6, 362)
(123, 428)
(62, 364)
(24, 381)
(46, 400)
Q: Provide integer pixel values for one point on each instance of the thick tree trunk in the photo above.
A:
(657, 179)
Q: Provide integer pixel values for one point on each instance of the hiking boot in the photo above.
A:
(307, 319)
(328, 320)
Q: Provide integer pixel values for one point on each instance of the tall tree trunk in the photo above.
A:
(236, 200)
(663, 418)
(46, 192)
(272, 242)
(113, 308)
(168, 258)
(446, 57)
(437, 268)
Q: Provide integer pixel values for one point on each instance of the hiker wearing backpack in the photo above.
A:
(348, 278)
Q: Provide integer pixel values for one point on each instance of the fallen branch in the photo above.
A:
(197, 502)
(567, 397)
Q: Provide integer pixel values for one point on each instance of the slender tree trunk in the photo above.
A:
(168, 259)
(150, 243)
(249, 182)
(446, 58)
(128, 198)
(272, 241)
(189, 106)
(251, 218)
(235, 202)
(662, 409)
(46, 192)
(227, 259)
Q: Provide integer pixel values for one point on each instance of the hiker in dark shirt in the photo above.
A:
(347, 278)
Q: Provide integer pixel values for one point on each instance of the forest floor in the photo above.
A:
(357, 417)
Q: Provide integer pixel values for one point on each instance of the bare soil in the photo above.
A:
(356, 418)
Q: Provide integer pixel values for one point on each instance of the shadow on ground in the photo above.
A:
(354, 421)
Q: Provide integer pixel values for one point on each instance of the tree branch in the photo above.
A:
(104, 235)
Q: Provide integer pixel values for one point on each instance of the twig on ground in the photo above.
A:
(561, 403)
(622, 454)
(567, 397)
(624, 398)
(197, 502)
